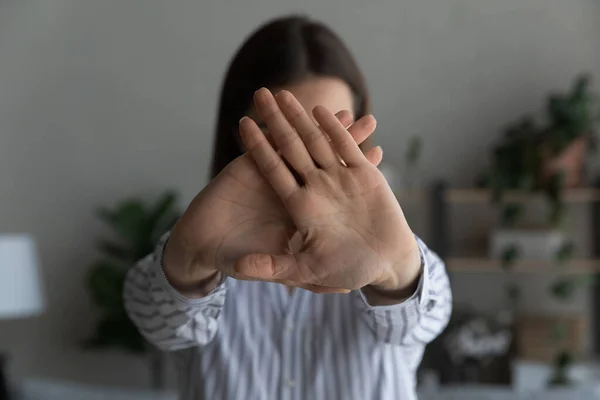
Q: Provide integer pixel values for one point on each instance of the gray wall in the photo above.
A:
(105, 99)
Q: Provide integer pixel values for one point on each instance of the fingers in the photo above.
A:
(342, 141)
(285, 137)
(268, 267)
(362, 129)
(345, 117)
(323, 289)
(374, 155)
(266, 158)
(314, 139)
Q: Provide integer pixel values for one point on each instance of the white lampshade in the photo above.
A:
(20, 286)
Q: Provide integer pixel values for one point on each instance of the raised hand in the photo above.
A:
(238, 213)
(352, 228)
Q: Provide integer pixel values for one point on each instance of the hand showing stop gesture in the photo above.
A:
(353, 230)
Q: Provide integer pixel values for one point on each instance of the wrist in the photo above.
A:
(404, 275)
(184, 272)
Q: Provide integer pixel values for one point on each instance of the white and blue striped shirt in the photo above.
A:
(253, 340)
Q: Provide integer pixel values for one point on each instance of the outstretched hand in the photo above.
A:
(237, 214)
(353, 230)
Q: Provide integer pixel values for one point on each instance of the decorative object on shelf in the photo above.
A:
(474, 348)
(21, 292)
(477, 340)
(137, 227)
(529, 244)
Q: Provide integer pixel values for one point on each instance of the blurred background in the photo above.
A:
(110, 105)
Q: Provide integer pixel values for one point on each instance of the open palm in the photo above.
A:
(353, 229)
(239, 213)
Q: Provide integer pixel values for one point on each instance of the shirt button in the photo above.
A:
(430, 305)
(291, 383)
(289, 326)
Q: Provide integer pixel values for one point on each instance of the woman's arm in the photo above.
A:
(416, 321)
(163, 315)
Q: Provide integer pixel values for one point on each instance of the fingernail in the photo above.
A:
(243, 118)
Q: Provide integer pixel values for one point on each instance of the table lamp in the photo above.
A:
(20, 287)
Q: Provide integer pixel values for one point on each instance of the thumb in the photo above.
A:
(268, 267)
(277, 268)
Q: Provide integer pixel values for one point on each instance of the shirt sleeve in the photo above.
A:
(164, 316)
(418, 320)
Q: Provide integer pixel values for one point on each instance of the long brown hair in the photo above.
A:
(281, 52)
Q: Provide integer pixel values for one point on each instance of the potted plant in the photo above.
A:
(136, 226)
(572, 119)
(546, 156)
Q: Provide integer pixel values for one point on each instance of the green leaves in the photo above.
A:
(565, 253)
(520, 159)
(105, 283)
(554, 190)
(163, 215)
(129, 221)
(509, 256)
(564, 289)
(114, 331)
(116, 251)
(414, 149)
(510, 213)
(571, 115)
(136, 227)
(561, 364)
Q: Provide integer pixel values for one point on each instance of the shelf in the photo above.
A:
(485, 196)
(412, 196)
(469, 196)
(486, 265)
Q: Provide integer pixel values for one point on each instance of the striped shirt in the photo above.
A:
(253, 340)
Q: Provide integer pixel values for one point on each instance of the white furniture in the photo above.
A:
(43, 389)
(498, 393)
(529, 376)
(532, 244)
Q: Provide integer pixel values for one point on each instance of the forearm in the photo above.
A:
(163, 315)
(418, 318)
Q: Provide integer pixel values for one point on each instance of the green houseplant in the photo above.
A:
(136, 226)
(547, 157)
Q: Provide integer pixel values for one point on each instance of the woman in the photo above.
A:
(293, 274)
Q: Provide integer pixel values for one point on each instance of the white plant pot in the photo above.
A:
(536, 245)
